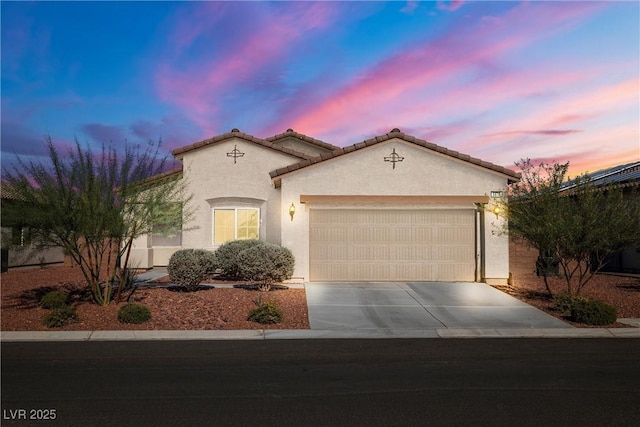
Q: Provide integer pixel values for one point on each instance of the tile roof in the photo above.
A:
(235, 133)
(395, 133)
(305, 138)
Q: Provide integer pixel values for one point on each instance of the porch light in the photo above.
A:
(292, 211)
(496, 211)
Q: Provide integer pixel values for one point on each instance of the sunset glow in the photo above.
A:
(501, 81)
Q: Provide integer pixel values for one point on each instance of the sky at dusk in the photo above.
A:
(501, 81)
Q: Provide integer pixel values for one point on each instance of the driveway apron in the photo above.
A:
(419, 305)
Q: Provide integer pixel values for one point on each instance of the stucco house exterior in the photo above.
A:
(391, 208)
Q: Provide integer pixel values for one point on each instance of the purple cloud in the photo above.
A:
(548, 132)
(104, 134)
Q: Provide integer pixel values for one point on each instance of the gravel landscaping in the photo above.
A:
(228, 308)
(207, 308)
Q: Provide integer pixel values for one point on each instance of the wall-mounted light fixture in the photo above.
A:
(496, 211)
(292, 211)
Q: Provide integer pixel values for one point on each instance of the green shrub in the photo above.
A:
(188, 267)
(133, 313)
(54, 299)
(227, 255)
(593, 312)
(265, 313)
(60, 317)
(564, 301)
(266, 264)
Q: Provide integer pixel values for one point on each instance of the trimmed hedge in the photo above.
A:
(133, 313)
(188, 267)
(265, 264)
(227, 256)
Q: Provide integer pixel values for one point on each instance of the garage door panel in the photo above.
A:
(370, 252)
(370, 245)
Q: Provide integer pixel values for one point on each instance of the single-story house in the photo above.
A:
(390, 208)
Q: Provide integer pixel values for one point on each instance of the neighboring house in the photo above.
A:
(19, 248)
(523, 258)
(391, 208)
(628, 178)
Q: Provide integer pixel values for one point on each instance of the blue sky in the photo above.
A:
(497, 80)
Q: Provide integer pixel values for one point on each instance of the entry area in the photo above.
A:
(392, 245)
(415, 305)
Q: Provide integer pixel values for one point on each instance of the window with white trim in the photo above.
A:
(235, 224)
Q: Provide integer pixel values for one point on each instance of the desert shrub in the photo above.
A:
(265, 264)
(227, 255)
(54, 299)
(188, 267)
(60, 316)
(265, 313)
(133, 313)
(564, 301)
(593, 312)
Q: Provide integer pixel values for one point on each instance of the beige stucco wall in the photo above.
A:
(214, 180)
(21, 256)
(422, 172)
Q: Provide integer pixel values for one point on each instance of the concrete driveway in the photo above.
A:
(419, 305)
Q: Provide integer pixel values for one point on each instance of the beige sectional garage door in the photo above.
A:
(392, 245)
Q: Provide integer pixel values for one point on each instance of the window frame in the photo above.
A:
(235, 221)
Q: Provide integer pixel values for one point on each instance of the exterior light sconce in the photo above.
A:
(292, 211)
(496, 211)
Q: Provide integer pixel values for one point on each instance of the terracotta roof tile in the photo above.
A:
(235, 133)
(395, 133)
(291, 133)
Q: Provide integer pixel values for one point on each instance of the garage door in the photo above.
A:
(392, 245)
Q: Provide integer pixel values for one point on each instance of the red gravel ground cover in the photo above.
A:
(222, 308)
(210, 308)
(619, 291)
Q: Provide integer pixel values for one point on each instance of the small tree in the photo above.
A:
(576, 223)
(94, 206)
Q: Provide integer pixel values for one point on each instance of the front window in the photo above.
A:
(235, 224)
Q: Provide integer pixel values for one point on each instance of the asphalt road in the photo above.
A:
(477, 382)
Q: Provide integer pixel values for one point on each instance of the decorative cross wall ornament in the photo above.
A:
(235, 153)
(393, 158)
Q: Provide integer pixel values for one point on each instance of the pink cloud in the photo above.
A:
(199, 86)
(431, 68)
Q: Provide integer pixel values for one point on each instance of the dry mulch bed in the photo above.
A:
(619, 291)
(207, 308)
(223, 308)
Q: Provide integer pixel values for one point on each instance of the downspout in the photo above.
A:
(480, 243)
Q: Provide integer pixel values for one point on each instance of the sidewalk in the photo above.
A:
(289, 334)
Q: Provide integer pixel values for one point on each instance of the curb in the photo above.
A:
(289, 334)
